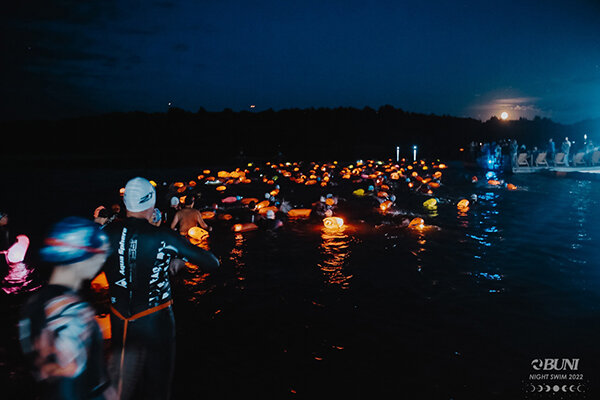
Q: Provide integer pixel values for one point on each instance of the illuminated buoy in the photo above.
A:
(221, 188)
(493, 182)
(244, 227)
(207, 214)
(330, 201)
(105, 327)
(417, 223)
(430, 204)
(437, 175)
(382, 194)
(100, 282)
(299, 213)
(434, 185)
(474, 179)
(463, 205)
(359, 192)
(197, 233)
(385, 205)
(510, 186)
(265, 210)
(264, 203)
(333, 222)
(230, 199)
(16, 252)
(248, 200)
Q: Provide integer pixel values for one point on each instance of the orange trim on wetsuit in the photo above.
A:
(126, 321)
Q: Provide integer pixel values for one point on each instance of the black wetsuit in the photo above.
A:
(138, 278)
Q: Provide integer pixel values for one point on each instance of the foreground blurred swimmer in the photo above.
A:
(143, 326)
(58, 333)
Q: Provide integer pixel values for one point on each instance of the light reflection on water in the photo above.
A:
(194, 278)
(19, 279)
(236, 256)
(335, 251)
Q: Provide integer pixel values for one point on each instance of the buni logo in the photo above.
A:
(555, 364)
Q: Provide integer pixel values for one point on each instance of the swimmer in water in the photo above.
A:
(188, 217)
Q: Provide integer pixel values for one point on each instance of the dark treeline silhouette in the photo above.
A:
(182, 138)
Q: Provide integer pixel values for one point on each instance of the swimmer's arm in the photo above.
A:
(175, 221)
(201, 222)
(188, 252)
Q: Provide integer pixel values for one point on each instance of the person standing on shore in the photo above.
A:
(551, 150)
(566, 147)
(514, 149)
(57, 330)
(143, 325)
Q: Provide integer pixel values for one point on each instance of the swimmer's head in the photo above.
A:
(74, 240)
(189, 200)
(139, 195)
(270, 214)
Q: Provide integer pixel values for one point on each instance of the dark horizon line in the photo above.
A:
(270, 109)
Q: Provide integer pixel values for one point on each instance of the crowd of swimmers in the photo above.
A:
(147, 236)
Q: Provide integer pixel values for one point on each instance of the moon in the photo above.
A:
(541, 388)
(571, 388)
(504, 115)
(564, 388)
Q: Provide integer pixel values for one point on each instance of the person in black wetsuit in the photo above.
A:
(57, 330)
(143, 326)
(5, 242)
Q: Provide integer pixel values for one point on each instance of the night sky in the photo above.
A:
(463, 58)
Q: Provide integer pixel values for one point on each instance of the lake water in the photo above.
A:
(457, 310)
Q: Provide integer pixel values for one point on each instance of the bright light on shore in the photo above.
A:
(504, 115)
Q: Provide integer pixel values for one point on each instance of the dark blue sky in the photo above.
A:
(463, 58)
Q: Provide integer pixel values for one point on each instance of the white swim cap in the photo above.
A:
(270, 214)
(174, 201)
(139, 195)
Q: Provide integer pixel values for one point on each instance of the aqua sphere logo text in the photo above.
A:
(555, 364)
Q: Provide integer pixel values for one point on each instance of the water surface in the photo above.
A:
(456, 310)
